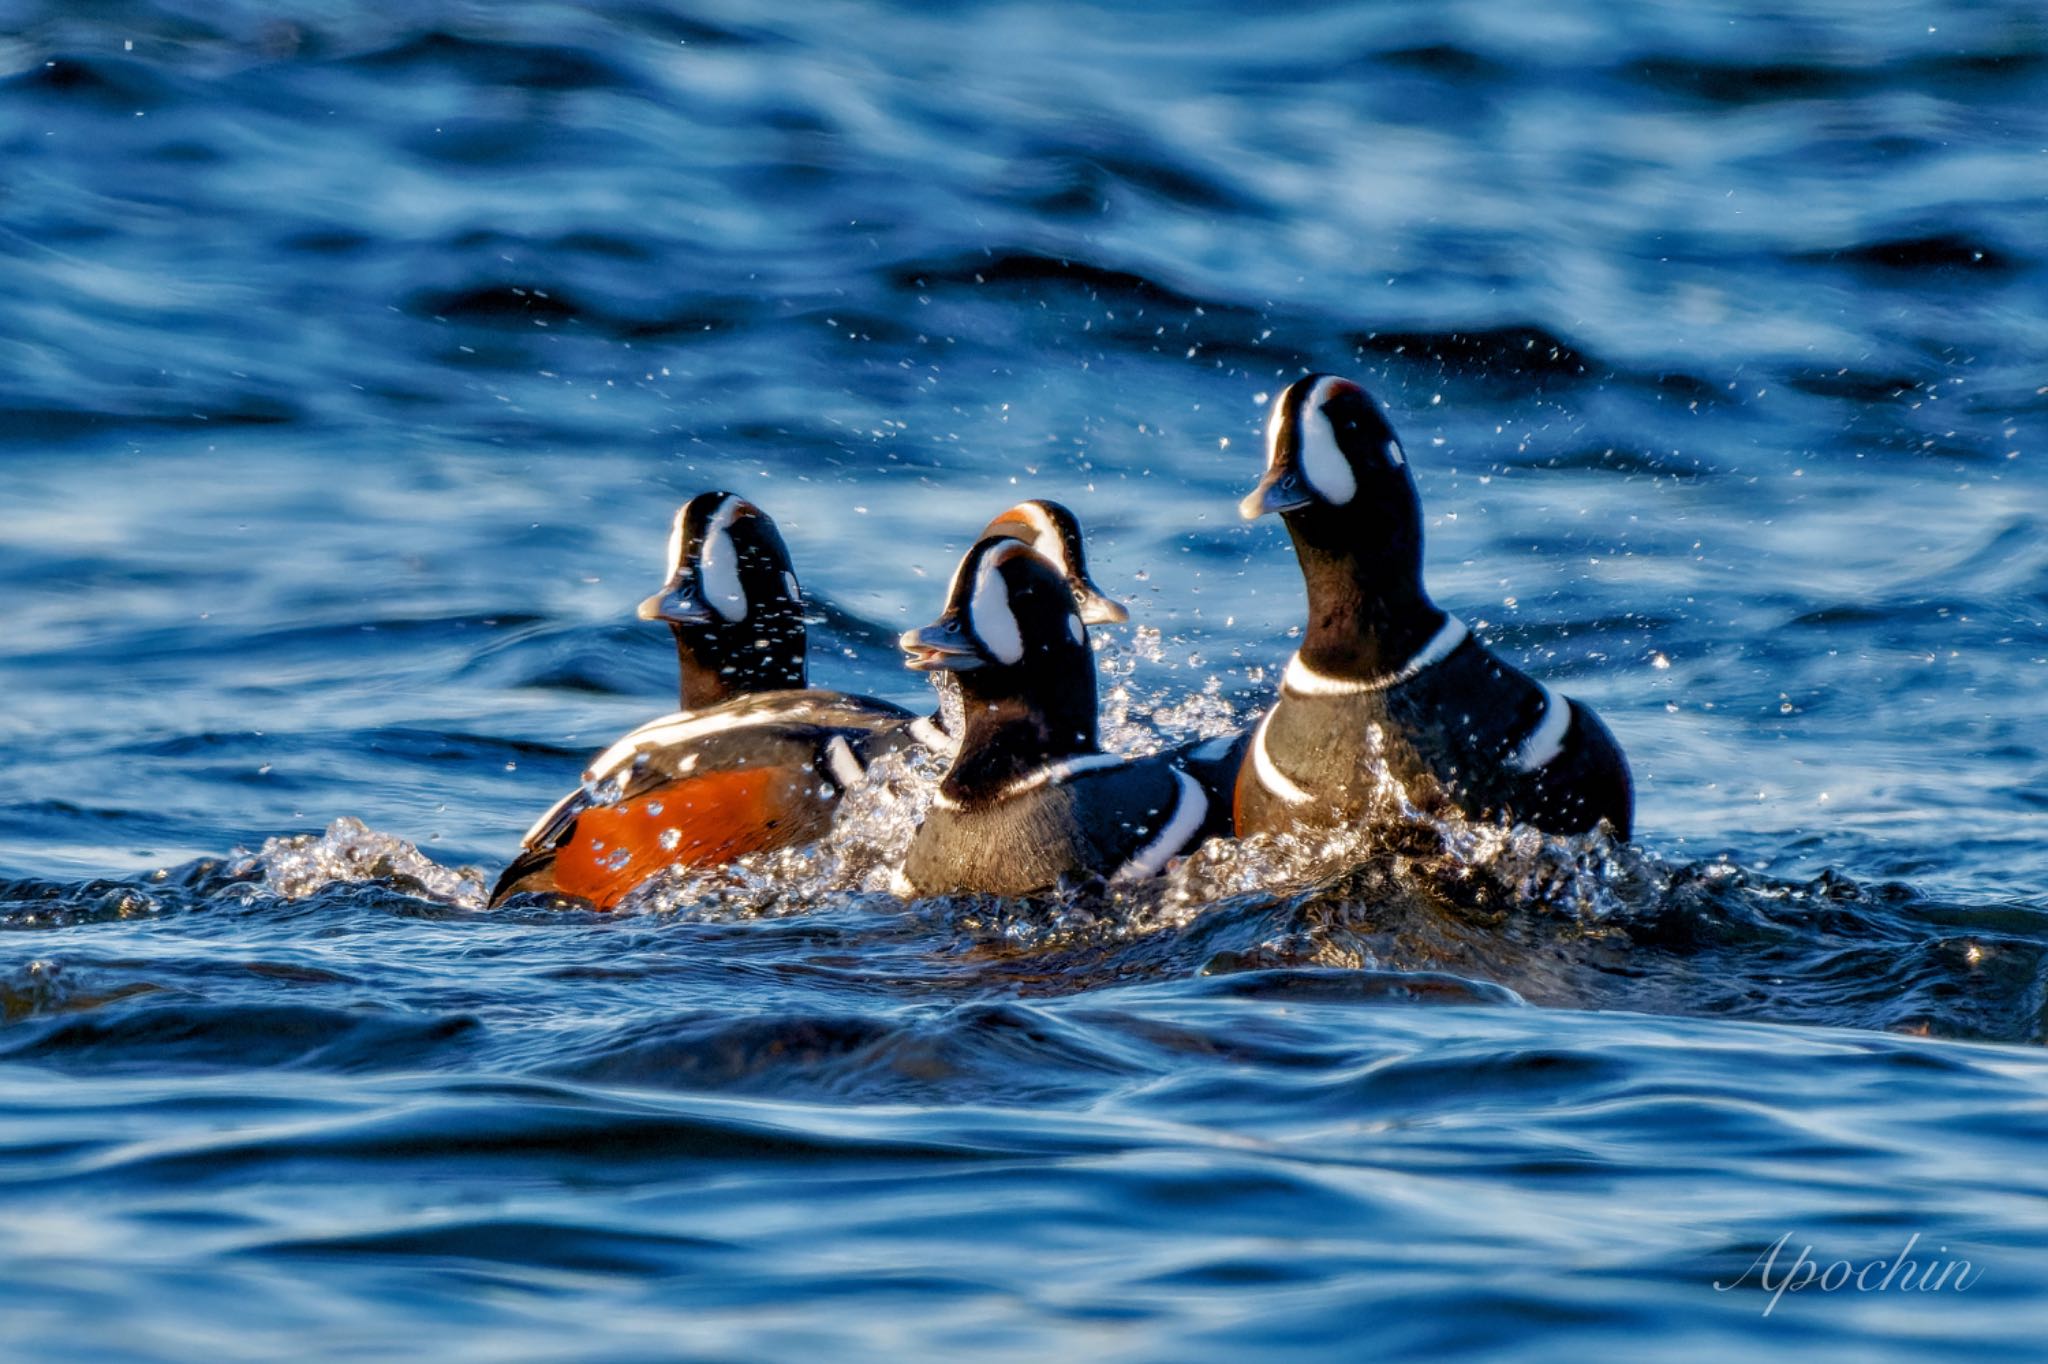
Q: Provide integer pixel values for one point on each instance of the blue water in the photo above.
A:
(353, 358)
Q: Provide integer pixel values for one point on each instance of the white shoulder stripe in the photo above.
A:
(674, 729)
(1545, 741)
(1303, 680)
(540, 825)
(1188, 813)
(846, 769)
(928, 732)
(1271, 777)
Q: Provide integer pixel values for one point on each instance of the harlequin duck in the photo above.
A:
(1055, 533)
(731, 600)
(1380, 660)
(756, 759)
(1030, 797)
(703, 787)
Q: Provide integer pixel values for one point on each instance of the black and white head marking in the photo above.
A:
(990, 618)
(1055, 533)
(718, 563)
(732, 600)
(1001, 610)
(1323, 435)
(725, 562)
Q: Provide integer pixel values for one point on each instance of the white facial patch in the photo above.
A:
(718, 566)
(989, 616)
(1077, 630)
(1394, 455)
(1323, 466)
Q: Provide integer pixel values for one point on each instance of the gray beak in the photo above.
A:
(1281, 490)
(941, 647)
(678, 604)
(1096, 608)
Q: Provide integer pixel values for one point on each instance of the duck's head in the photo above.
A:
(1009, 614)
(1053, 531)
(731, 600)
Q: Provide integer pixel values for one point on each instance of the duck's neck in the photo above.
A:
(1368, 611)
(1005, 736)
(720, 667)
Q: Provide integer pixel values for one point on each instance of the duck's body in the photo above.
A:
(1030, 799)
(1386, 680)
(703, 787)
(757, 759)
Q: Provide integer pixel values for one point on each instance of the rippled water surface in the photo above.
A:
(353, 358)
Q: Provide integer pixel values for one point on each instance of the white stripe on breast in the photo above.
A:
(1271, 777)
(1188, 813)
(1303, 680)
(846, 769)
(926, 731)
(1545, 741)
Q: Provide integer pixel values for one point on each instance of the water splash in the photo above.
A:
(351, 852)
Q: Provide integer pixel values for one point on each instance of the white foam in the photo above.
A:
(1545, 741)
(1188, 813)
(718, 566)
(1302, 680)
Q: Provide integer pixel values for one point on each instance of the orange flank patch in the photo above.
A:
(696, 822)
